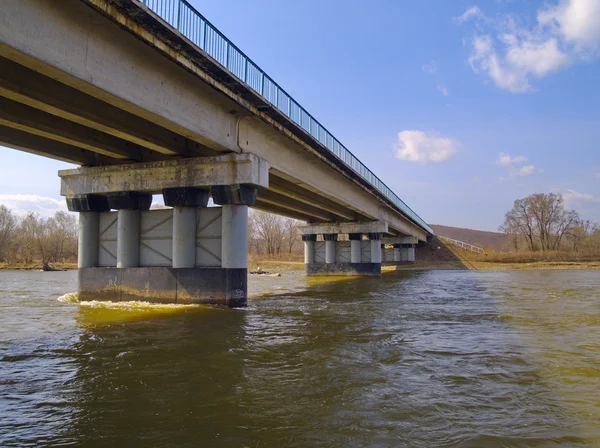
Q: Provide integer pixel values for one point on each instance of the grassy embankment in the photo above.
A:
(535, 260)
(276, 263)
(464, 259)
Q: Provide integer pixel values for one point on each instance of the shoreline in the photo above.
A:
(35, 266)
(283, 266)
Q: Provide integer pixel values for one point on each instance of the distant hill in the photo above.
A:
(493, 240)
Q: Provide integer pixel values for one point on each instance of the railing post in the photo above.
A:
(246, 72)
(179, 15)
(227, 57)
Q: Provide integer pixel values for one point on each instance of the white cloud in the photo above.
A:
(576, 21)
(20, 204)
(417, 146)
(506, 160)
(528, 170)
(430, 68)
(575, 199)
(469, 14)
(516, 166)
(442, 88)
(513, 55)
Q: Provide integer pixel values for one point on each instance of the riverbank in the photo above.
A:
(489, 266)
(34, 266)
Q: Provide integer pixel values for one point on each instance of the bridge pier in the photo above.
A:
(401, 252)
(358, 256)
(188, 254)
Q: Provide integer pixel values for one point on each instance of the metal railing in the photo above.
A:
(189, 22)
(462, 244)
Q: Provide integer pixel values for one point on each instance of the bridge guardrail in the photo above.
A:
(194, 26)
(462, 244)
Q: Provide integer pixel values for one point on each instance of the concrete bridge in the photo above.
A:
(149, 98)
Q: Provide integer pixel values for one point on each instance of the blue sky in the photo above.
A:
(461, 107)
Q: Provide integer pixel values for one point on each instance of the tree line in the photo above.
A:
(33, 238)
(273, 235)
(540, 222)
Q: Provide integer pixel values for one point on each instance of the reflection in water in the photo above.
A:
(416, 359)
(158, 376)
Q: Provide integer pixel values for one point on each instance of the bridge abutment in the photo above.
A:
(190, 253)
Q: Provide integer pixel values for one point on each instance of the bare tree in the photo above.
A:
(8, 222)
(541, 219)
(520, 218)
(272, 234)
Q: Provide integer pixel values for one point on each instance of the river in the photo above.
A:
(437, 358)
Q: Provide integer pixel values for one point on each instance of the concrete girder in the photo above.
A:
(344, 228)
(28, 87)
(297, 192)
(34, 144)
(34, 121)
(271, 208)
(281, 201)
(153, 177)
(400, 240)
(79, 47)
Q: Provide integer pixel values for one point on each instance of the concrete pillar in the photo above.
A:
(185, 202)
(375, 247)
(184, 237)
(235, 200)
(128, 238)
(411, 254)
(89, 207)
(397, 252)
(88, 245)
(330, 247)
(355, 255)
(309, 248)
(235, 237)
(129, 205)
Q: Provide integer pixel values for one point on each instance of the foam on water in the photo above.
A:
(137, 305)
(70, 297)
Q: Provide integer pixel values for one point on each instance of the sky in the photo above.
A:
(460, 107)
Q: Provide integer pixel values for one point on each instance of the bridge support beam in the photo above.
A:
(331, 256)
(190, 254)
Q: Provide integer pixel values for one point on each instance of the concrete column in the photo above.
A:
(397, 252)
(235, 237)
(128, 238)
(185, 202)
(235, 200)
(88, 246)
(411, 254)
(89, 207)
(184, 237)
(309, 248)
(355, 255)
(375, 247)
(129, 205)
(330, 247)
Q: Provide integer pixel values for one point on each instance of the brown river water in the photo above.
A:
(438, 358)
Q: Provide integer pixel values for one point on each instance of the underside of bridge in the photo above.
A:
(108, 85)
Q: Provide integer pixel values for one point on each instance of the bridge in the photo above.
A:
(148, 97)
